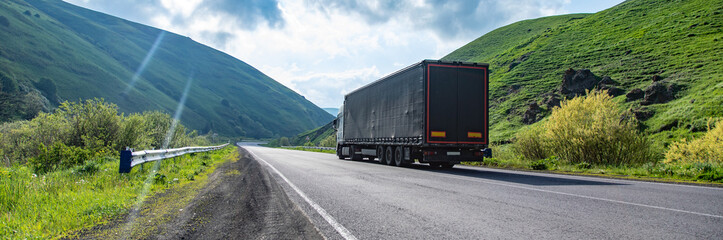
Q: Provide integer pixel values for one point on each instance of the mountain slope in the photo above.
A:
(677, 43)
(54, 51)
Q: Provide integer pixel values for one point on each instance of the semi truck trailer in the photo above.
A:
(432, 112)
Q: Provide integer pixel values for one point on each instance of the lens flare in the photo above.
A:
(177, 115)
(145, 62)
(167, 141)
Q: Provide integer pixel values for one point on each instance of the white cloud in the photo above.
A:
(181, 7)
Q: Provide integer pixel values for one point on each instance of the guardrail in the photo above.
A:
(130, 159)
(310, 147)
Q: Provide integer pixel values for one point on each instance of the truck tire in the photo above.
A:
(389, 155)
(447, 165)
(398, 157)
(338, 152)
(435, 165)
(380, 153)
(354, 156)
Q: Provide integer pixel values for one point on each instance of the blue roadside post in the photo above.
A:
(125, 161)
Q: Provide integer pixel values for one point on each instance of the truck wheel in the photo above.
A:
(354, 156)
(380, 153)
(398, 157)
(389, 155)
(338, 153)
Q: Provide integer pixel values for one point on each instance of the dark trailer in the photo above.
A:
(433, 111)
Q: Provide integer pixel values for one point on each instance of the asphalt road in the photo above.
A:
(367, 200)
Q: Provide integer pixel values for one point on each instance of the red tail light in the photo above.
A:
(429, 153)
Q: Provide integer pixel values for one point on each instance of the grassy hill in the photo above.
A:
(677, 43)
(53, 51)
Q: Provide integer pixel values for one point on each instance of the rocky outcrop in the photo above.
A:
(659, 92)
(634, 94)
(611, 86)
(532, 114)
(642, 113)
(551, 100)
(575, 83)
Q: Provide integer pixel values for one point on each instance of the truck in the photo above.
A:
(433, 112)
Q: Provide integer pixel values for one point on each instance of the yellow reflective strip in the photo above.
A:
(474, 134)
(439, 134)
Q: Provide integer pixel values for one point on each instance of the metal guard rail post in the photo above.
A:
(129, 159)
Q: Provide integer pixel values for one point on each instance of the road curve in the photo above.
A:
(367, 200)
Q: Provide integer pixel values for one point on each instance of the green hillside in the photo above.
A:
(53, 51)
(678, 44)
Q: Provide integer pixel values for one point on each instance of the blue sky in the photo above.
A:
(324, 49)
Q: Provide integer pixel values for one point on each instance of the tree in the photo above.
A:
(284, 141)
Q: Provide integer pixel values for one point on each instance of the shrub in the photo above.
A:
(88, 168)
(583, 165)
(58, 156)
(329, 141)
(157, 125)
(538, 165)
(133, 133)
(707, 149)
(76, 132)
(21, 139)
(528, 143)
(591, 129)
(284, 141)
(94, 123)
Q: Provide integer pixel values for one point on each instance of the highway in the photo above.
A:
(366, 200)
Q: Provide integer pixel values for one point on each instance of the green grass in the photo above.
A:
(62, 202)
(71, 53)
(680, 41)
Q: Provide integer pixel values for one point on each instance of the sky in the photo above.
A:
(323, 49)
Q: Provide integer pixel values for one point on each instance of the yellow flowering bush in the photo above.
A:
(707, 149)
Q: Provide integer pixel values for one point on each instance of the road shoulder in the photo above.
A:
(238, 201)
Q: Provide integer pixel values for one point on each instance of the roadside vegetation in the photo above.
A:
(593, 134)
(60, 170)
(77, 132)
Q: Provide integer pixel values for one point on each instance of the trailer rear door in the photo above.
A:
(457, 104)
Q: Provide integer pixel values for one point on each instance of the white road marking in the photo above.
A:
(337, 226)
(583, 196)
